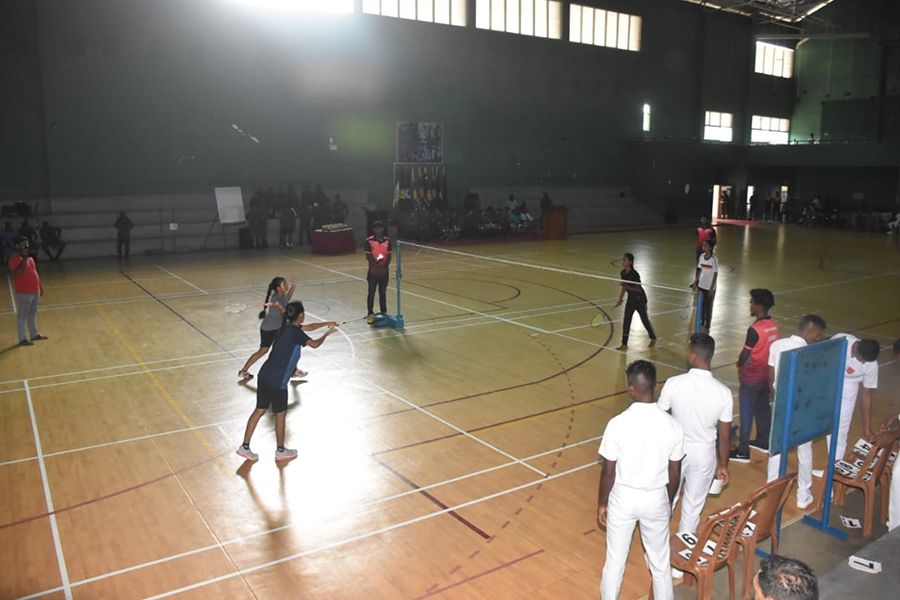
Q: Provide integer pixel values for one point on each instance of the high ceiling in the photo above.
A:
(778, 11)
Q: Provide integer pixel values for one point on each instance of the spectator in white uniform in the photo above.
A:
(861, 367)
(808, 332)
(642, 449)
(703, 406)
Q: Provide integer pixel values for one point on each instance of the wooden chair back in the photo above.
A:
(722, 530)
(870, 470)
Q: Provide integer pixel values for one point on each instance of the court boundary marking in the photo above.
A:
(491, 319)
(54, 529)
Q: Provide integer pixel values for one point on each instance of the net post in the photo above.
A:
(399, 275)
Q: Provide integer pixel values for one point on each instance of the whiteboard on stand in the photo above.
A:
(230, 202)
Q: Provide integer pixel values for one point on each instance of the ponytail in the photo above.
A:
(293, 310)
(273, 285)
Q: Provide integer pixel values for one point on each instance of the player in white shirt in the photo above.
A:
(705, 280)
(861, 367)
(703, 406)
(642, 449)
(808, 332)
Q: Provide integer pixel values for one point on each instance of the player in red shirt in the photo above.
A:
(753, 374)
(28, 291)
(705, 233)
(378, 250)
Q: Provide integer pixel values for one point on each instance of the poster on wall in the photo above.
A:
(420, 143)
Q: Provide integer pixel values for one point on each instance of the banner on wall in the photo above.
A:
(420, 187)
(420, 143)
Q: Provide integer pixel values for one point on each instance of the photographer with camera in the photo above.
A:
(28, 291)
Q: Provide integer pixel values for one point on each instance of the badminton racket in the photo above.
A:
(598, 320)
(688, 308)
(236, 308)
(355, 320)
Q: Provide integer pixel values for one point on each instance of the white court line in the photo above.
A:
(12, 295)
(617, 280)
(63, 572)
(127, 440)
(842, 282)
(141, 372)
(369, 534)
(364, 505)
(199, 289)
(498, 318)
(445, 422)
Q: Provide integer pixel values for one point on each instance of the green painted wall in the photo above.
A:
(841, 84)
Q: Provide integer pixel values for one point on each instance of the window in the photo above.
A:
(774, 60)
(604, 28)
(446, 12)
(769, 130)
(540, 18)
(717, 126)
(646, 121)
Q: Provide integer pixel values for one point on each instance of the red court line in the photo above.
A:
(480, 575)
(114, 494)
(433, 499)
(508, 421)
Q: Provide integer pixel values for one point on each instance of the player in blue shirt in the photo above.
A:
(276, 373)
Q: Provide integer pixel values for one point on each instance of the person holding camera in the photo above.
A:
(28, 291)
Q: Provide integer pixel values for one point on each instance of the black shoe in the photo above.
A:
(39, 337)
(26, 343)
(738, 456)
(760, 445)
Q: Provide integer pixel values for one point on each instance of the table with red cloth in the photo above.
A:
(339, 241)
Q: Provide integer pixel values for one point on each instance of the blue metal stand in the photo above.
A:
(699, 311)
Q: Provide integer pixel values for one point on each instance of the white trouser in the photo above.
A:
(697, 472)
(804, 472)
(848, 404)
(894, 506)
(628, 506)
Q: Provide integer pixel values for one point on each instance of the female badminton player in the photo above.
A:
(271, 316)
(275, 374)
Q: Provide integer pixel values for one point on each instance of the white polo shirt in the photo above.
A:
(856, 371)
(698, 402)
(708, 268)
(783, 345)
(642, 440)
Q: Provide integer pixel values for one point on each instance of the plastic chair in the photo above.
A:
(722, 531)
(763, 525)
(874, 466)
(885, 481)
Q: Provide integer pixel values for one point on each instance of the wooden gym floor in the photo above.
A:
(457, 458)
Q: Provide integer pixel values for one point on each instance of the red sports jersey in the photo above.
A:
(760, 336)
(379, 251)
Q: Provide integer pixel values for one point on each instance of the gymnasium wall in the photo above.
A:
(22, 165)
(140, 97)
(849, 89)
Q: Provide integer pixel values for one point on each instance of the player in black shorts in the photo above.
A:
(276, 373)
(637, 301)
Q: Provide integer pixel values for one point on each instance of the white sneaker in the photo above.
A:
(804, 504)
(299, 374)
(247, 453)
(285, 454)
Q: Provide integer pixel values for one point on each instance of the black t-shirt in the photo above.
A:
(633, 277)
